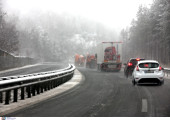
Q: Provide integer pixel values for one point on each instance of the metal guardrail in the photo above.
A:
(13, 87)
(167, 71)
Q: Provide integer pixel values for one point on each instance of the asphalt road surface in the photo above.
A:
(104, 94)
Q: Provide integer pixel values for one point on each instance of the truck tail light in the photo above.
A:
(105, 60)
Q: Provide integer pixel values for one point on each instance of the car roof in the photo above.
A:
(146, 61)
(136, 58)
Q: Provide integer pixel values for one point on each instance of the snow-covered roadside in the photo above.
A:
(63, 89)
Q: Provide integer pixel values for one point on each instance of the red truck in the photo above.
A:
(91, 61)
(79, 60)
(109, 56)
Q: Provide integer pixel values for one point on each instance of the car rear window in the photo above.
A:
(134, 62)
(148, 65)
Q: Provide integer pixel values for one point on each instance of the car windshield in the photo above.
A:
(148, 65)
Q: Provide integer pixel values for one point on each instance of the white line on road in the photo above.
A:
(144, 105)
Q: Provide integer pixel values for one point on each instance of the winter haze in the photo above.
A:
(55, 30)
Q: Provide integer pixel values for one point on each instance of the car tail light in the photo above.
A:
(137, 68)
(137, 59)
(130, 64)
(160, 68)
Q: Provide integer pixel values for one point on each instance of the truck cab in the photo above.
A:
(109, 56)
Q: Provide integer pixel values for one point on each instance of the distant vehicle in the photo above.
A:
(129, 67)
(109, 56)
(148, 71)
(90, 61)
(79, 60)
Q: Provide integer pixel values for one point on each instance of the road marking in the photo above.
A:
(144, 105)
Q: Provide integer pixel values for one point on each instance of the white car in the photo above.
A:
(148, 72)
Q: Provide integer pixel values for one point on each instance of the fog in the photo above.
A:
(114, 14)
(55, 30)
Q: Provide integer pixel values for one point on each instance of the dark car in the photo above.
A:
(130, 65)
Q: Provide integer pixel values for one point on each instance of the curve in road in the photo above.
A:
(105, 94)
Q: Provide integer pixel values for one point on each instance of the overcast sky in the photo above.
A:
(116, 14)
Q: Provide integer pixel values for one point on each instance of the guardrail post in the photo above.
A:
(63, 79)
(66, 79)
(52, 84)
(57, 82)
(38, 89)
(60, 81)
(29, 91)
(45, 86)
(22, 93)
(33, 90)
(7, 97)
(48, 85)
(41, 86)
(1, 97)
(70, 76)
(15, 95)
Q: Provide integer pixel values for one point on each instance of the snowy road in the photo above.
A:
(105, 94)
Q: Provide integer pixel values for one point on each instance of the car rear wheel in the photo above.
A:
(133, 82)
(161, 83)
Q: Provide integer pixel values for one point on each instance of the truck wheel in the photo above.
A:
(98, 67)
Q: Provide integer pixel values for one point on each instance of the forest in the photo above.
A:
(48, 36)
(149, 34)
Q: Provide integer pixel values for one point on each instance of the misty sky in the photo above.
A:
(116, 14)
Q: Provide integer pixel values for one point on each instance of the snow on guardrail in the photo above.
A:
(32, 84)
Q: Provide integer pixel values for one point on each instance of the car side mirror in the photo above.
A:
(163, 68)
